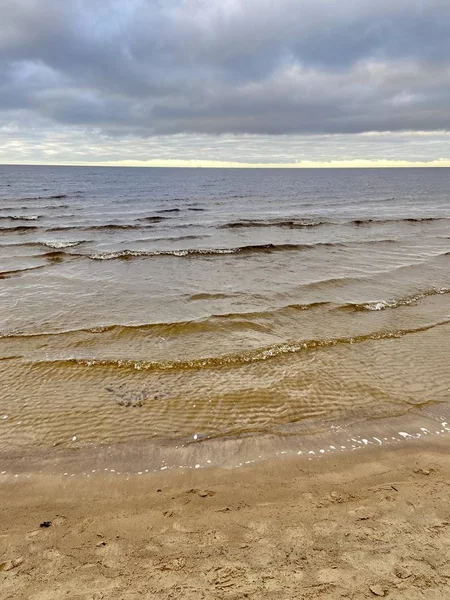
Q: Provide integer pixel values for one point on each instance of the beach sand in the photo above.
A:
(356, 525)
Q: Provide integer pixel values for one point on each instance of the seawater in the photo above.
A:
(168, 309)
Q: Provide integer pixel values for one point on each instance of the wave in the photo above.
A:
(169, 210)
(209, 296)
(193, 252)
(20, 245)
(13, 208)
(53, 197)
(269, 248)
(152, 219)
(106, 227)
(129, 253)
(15, 272)
(288, 223)
(45, 207)
(61, 245)
(230, 360)
(147, 222)
(109, 226)
(304, 223)
(384, 304)
(20, 217)
(370, 221)
(238, 250)
(55, 256)
(175, 238)
(231, 321)
(239, 320)
(18, 228)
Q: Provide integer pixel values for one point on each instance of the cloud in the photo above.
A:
(144, 68)
(55, 145)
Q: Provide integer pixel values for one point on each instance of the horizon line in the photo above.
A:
(192, 164)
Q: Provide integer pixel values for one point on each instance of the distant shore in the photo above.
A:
(351, 525)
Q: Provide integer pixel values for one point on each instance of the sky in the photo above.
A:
(292, 83)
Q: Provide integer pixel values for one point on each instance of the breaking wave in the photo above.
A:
(20, 217)
(383, 304)
(61, 245)
(199, 252)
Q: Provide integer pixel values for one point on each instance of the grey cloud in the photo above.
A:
(142, 67)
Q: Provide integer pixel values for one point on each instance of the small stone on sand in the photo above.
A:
(45, 524)
(11, 564)
(402, 572)
(423, 471)
(377, 590)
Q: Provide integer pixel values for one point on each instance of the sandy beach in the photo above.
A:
(355, 525)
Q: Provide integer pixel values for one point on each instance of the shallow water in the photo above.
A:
(174, 306)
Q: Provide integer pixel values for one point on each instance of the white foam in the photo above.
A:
(376, 305)
(59, 245)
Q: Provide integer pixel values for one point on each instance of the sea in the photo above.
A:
(159, 318)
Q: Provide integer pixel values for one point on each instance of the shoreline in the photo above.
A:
(351, 525)
(127, 459)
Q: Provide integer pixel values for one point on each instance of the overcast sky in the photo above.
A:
(220, 82)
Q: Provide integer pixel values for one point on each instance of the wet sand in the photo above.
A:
(351, 525)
